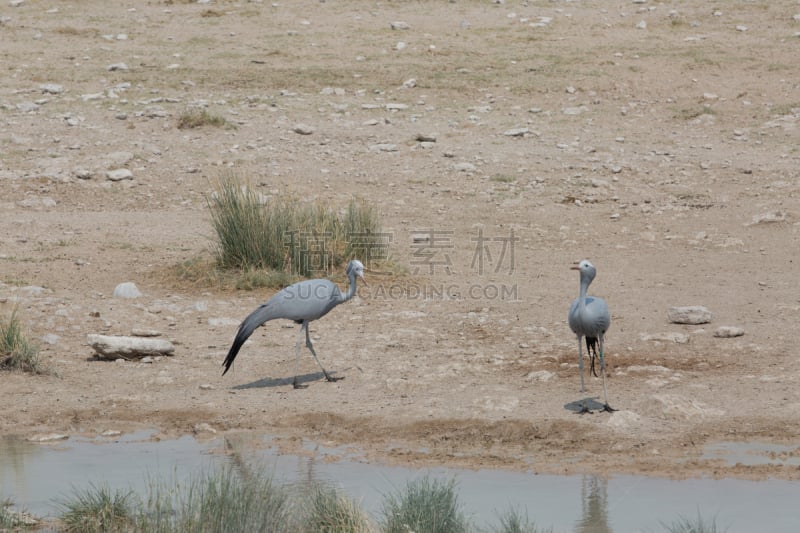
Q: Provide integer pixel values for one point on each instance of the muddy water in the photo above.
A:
(34, 475)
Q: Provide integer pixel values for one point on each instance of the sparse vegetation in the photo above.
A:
(284, 234)
(426, 505)
(97, 509)
(238, 498)
(196, 118)
(8, 519)
(516, 521)
(503, 178)
(697, 525)
(217, 502)
(690, 113)
(17, 351)
(332, 512)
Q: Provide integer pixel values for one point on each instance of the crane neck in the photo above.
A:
(351, 290)
(585, 281)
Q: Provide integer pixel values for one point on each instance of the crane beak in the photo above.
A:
(575, 266)
(363, 279)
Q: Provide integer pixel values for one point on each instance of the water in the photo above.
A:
(34, 475)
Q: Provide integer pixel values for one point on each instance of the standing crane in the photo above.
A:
(589, 317)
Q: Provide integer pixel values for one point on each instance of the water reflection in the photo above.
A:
(35, 475)
(594, 506)
(14, 453)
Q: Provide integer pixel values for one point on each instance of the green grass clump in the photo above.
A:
(697, 525)
(98, 509)
(330, 512)
(197, 118)
(8, 519)
(514, 521)
(284, 234)
(17, 351)
(425, 505)
(219, 501)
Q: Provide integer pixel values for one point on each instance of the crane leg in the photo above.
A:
(295, 383)
(591, 349)
(584, 406)
(606, 407)
(311, 347)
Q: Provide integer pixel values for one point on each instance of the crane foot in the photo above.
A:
(608, 409)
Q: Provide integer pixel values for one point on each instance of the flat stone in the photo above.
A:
(303, 129)
(727, 332)
(678, 338)
(691, 314)
(51, 88)
(674, 406)
(624, 420)
(516, 132)
(48, 437)
(540, 375)
(119, 174)
(124, 347)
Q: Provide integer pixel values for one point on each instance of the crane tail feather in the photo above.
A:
(253, 321)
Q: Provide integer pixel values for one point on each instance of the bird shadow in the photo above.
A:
(581, 406)
(265, 383)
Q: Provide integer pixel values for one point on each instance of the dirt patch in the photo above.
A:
(518, 137)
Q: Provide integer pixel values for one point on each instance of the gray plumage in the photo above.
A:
(300, 302)
(589, 317)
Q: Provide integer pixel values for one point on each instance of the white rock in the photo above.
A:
(127, 289)
(384, 147)
(727, 332)
(575, 110)
(516, 132)
(303, 129)
(623, 420)
(27, 107)
(678, 338)
(649, 368)
(52, 88)
(540, 375)
(137, 332)
(51, 338)
(117, 66)
(48, 437)
(399, 25)
(114, 347)
(465, 167)
(119, 174)
(768, 218)
(691, 314)
(673, 406)
(204, 427)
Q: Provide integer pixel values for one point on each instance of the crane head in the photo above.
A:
(355, 268)
(585, 267)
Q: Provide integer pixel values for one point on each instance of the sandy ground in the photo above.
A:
(658, 139)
